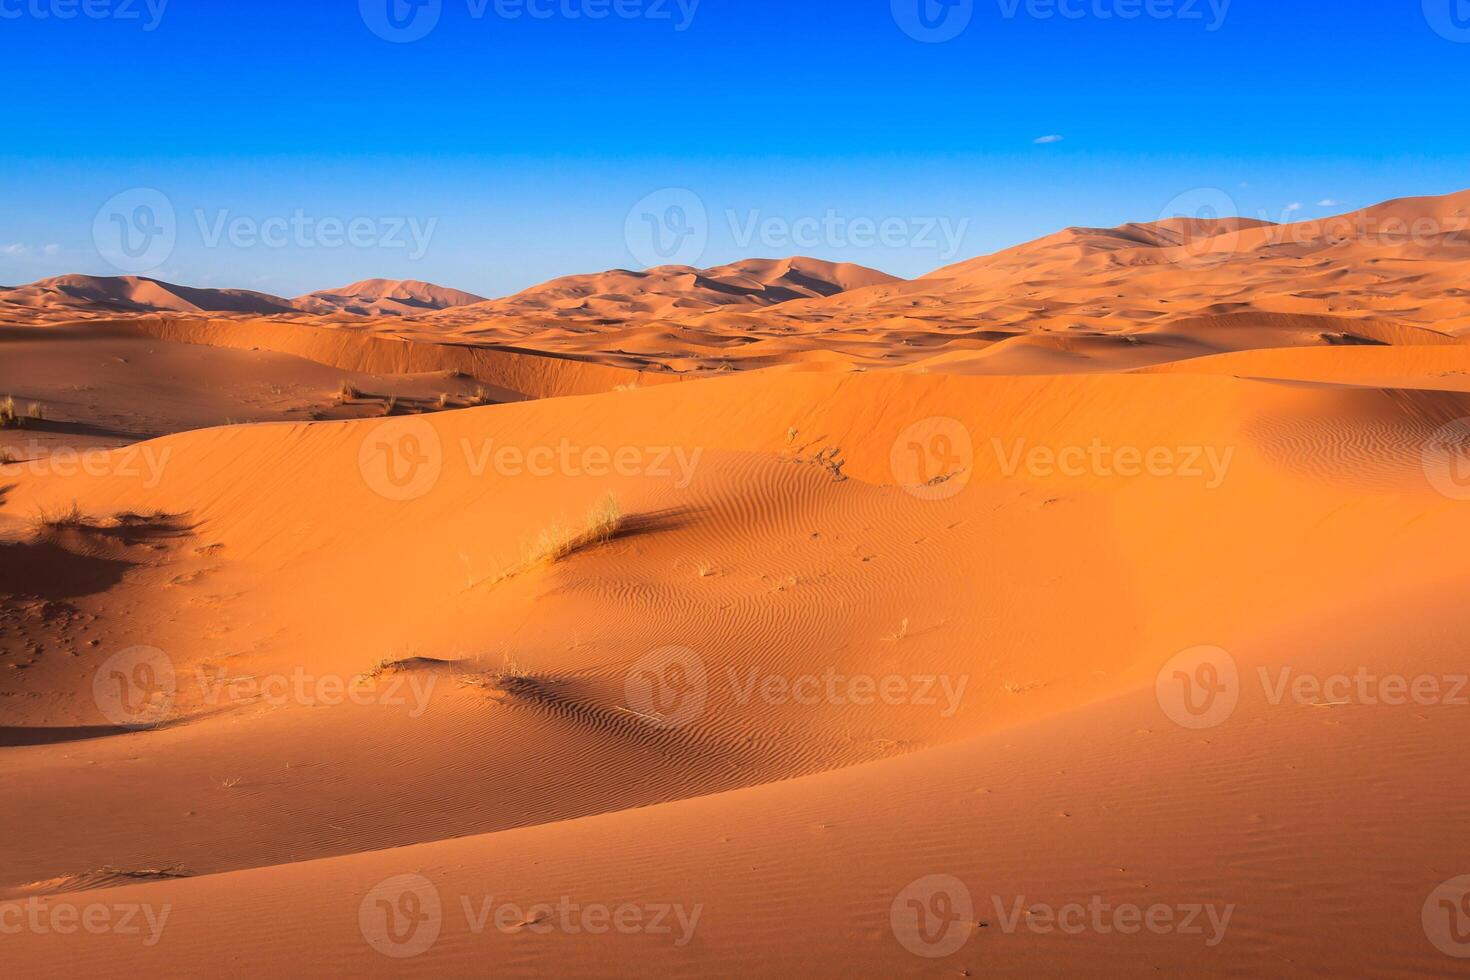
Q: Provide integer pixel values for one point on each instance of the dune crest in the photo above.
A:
(385, 297)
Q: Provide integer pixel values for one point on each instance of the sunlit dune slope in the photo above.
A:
(778, 526)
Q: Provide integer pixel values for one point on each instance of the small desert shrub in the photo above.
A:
(348, 392)
(511, 671)
(558, 541)
(8, 417)
(380, 668)
(72, 517)
(443, 402)
(36, 411)
(512, 678)
(390, 405)
(605, 519)
(481, 396)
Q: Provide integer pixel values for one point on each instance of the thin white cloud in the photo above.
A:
(1328, 203)
(1294, 206)
(21, 248)
(1043, 140)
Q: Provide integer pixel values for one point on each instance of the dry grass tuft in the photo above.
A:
(72, 518)
(511, 678)
(379, 669)
(348, 392)
(557, 542)
(9, 419)
(511, 670)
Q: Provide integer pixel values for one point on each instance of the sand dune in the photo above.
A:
(70, 297)
(385, 297)
(621, 294)
(1098, 290)
(1126, 297)
(778, 619)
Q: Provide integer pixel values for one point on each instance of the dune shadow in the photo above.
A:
(71, 557)
(72, 428)
(70, 331)
(12, 737)
(134, 529)
(652, 522)
(45, 570)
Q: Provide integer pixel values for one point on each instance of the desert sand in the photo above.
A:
(1091, 608)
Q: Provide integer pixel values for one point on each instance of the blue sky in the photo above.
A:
(305, 145)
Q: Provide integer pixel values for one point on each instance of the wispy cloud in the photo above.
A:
(20, 248)
(1043, 140)
(1293, 206)
(1328, 203)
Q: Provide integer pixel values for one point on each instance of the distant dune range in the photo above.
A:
(837, 474)
(616, 294)
(1084, 299)
(92, 296)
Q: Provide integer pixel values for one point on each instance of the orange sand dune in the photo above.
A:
(75, 297)
(1088, 609)
(826, 574)
(385, 297)
(71, 297)
(621, 294)
(1083, 298)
